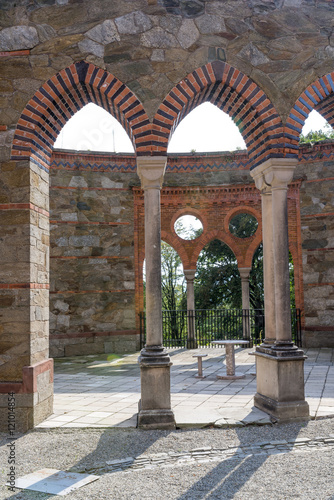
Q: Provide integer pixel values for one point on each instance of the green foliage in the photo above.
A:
(256, 290)
(174, 295)
(217, 282)
(317, 136)
(243, 225)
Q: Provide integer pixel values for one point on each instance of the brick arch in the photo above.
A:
(234, 93)
(319, 96)
(61, 97)
(209, 236)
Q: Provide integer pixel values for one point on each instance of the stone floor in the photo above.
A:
(104, 390)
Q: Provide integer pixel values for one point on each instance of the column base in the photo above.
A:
(155, 419)
(155, 405)
(33, 398)
(282, 410)
(280, 383)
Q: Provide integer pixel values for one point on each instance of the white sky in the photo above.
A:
(205, 129)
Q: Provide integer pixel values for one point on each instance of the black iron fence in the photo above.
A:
(201, 327)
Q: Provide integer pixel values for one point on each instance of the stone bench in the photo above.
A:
(200, 365)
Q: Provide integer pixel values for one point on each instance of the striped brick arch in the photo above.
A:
(234, 93)
(319, 96)
(61, 97)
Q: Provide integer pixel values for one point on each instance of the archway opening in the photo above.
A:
(92, 128)
(206, 129)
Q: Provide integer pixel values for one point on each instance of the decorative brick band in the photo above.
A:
(24, 206)
(89, 223)
(70, 188)
(312, 285)
(74, 335)
(326, 214)
(22, 286)
(3, 128)
(15, 53)
(29, 378)
(319, 328)
(64, 292)
(110, 257)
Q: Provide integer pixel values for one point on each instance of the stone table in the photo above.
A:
(230, 358)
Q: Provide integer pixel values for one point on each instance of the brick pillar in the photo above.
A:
(25, 367)
(191, 338)
(155, 406)
(279, 365)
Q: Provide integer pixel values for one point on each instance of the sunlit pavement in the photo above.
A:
(104, 390)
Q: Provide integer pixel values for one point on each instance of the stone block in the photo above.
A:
(280, 386)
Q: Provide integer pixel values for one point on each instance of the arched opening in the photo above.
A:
(217, 280)
(94, 129)
(206, 129)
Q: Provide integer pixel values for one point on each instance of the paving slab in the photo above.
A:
(99, 390)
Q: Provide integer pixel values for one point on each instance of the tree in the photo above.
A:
(217, 282)
(172, 279)
(317, 135)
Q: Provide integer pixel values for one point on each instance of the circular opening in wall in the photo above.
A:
(243, 225)
(188, 227)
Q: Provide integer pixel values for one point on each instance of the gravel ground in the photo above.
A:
(305, 473)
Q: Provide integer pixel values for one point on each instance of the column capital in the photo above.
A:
(275, 173)
(151, 170)
(189, 274)
(244, 272)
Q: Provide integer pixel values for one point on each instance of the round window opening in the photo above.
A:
(243, 225)
(188, 227)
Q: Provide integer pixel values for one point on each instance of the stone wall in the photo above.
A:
(317, 229)
(92, 291)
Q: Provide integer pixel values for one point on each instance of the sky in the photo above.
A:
(205, 129)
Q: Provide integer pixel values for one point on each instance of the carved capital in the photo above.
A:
(244, 273)
(189, 274)
(275, 173)
(151, 170)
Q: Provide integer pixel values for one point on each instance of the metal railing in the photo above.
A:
(200, 327)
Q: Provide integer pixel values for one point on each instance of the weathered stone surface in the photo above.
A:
(57, 45)
(136, 22)
(18, 38)
(188, 34)
(158, 38)
(209, 24)
(104, 33)
(171, 24)
(91, 47)
(45, 32)
(253, 54)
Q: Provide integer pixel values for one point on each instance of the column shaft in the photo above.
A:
(281, 262)
(268, 267)
(153, 268)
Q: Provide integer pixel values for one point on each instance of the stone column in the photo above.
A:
(244, 275)
(279, 365)
(155, 406)
(191, 339)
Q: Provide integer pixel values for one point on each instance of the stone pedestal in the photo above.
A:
(155, 406)
(280, 386)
